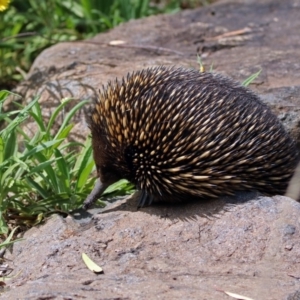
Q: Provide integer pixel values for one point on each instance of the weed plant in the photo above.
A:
(44, 173)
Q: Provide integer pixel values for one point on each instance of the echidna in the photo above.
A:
(179, 134)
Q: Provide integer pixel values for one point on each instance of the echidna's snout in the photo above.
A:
(106, 177)
(97, 191)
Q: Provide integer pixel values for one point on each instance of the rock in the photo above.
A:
(191, 251)
(237, 38)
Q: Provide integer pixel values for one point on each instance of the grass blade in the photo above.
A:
(251, 78)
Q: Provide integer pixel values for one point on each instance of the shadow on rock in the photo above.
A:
(178, 210)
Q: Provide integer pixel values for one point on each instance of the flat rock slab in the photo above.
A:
(191, 251)
(237, 38)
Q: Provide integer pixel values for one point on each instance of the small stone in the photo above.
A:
(288, 247)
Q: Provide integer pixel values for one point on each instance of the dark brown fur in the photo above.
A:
(177, 133)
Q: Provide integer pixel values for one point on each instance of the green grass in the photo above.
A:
(29, 26)
(251, 78)
(44, 173)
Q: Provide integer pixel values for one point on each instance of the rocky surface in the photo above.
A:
(191, 251)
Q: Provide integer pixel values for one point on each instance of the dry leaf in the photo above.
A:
(91, 265)
(116, 43)
(236, 296)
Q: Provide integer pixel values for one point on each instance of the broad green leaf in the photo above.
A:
(43, 192)
(40, 167)
(65, 132)
(84, 174)
(9, 171)
(33, 150)
(10, 145)
(12, 125)
(51, 177)
(4, 94)
(64, 181)
(38, 120)
(85, 164)
(117, 186)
